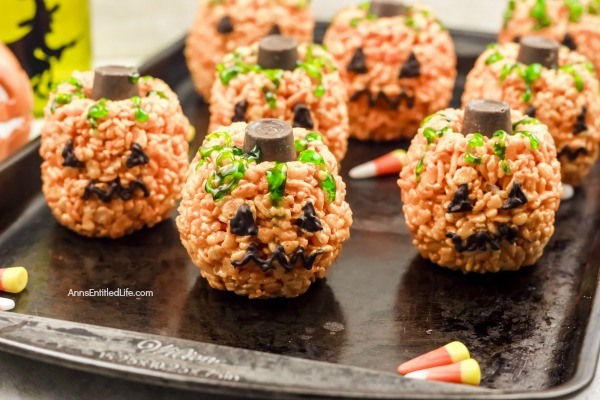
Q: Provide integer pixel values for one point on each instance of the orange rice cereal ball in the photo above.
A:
(115, 152)
(398, 63)
(16, 104)
(276, 78)
(574, 23)
(555, 85)
(263, 211)
(224, 25)
(481, 188)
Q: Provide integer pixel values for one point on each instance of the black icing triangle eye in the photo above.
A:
(411, 68)
(358, 63)
(460, 202)
(137, 156)
(531, 111)
(70, 160)
(581, 124)
(243, 223)
(239, 111)
(225, 25)
(516, 197)
(302, 117)
(569, 42)
(309, 222)
(275, 30)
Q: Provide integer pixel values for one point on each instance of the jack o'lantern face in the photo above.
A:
(483, 240)
(410, 69)
(243, 224)
(107, 191)
(16, 103)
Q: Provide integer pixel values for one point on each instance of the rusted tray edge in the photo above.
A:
(205, 367)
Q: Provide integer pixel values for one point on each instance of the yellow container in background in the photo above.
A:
(51, 39)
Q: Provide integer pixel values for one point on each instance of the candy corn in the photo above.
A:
(448, 354)
(390, 163)
(13, 279)
(6, 304)
(466, 372)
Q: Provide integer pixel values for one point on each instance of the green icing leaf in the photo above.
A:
(570, 69)
(493, 58)
(96, 112)
(276, 179)
(575, 9)
(540, 14)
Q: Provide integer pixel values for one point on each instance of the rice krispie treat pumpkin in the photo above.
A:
(224, 25)
(398, 63)
(481, 188)
(555, 85)
(16, 104)
(276, 78)
(263, 211)
(115, 152)
(574, 23)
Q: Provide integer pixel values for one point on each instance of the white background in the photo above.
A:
(132, 30)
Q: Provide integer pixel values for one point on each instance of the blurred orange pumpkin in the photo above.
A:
(16, 104)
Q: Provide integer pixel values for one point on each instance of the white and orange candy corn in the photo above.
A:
(445, 355)
(466, 372)
(6, 304)
(390, 163)
(13, 279)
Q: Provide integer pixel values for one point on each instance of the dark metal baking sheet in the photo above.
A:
(534, 332)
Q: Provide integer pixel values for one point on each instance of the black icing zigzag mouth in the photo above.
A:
(279, 256)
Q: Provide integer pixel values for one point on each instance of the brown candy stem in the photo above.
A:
(278, 52)
(486, 117)
(539, 50)
(387, 8)
(273, 137)
(115, 82)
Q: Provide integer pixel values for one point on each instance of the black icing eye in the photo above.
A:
(70, 160)
(275, 30)
(411, 68)
(580, 124)
(358, 63)
(460, 202)
(239, 111)
(531, 111)
(569, 42)
(137, 156)
(225, 25)
(302, 117)
(243, 223)
(309, 222)
(516, 197)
